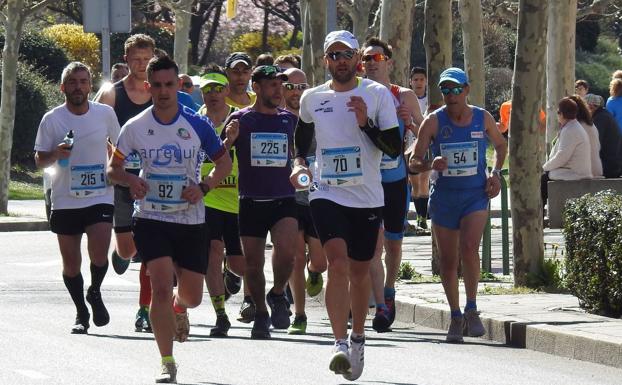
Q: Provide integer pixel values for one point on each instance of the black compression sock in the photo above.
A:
(97, 275)
(75, 286)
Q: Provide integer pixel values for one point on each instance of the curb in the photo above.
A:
(31, 225)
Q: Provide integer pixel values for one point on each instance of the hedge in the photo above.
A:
(593, 233)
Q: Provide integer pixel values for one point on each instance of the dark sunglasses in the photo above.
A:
(375, 57)
(336, 55)
(213, 88)
(187, 84)
(455, 90)
(292, 86)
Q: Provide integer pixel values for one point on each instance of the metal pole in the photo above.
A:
(105, 39)
(486, 258)
(505, 228)
(331, 23)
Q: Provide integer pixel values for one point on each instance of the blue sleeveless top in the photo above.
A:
(465, 150)
(392, 170)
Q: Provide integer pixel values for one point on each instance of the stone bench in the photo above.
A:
(562, 190)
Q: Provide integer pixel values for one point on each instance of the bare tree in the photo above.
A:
(183, 15)
(202, 14)
(396, 28)
(317, 24)
(359, 11)
(524, 143)
(286, 10)
(473, 39)
(13, 15)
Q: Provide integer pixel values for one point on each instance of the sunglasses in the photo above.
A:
(336, 55)
(292, 86)
(187, 84)
(218, 88)
(455, 90)
(375, 57)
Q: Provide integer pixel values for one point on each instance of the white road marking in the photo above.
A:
(54, 262)
(31, 374)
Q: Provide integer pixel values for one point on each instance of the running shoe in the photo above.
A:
(168, 374)
(182, 326)
(454, 334)
(119, 264)
(261, 326)
(247, 311)
(233, 283)
(381, 322)
(299, 326)
(340, 361)
(473, 324)
(357, 358)
(390, 302)
(81, 326)
(314, 283)
(142, 323)
(410, 230)
(221, 329)
(279, 308)
(422, 223)
(136, 258)
(100, 314)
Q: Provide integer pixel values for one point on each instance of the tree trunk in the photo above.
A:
(202, 13)
(307, 52)
(13, 25)
(317, 22)
(264, 32)
(212, 34)
(472, 37)
(183, 13)
(560, 66)
(396, 28)
(359, 11)
(524, 165)
(437, 42)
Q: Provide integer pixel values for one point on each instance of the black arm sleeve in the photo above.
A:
(388, 141)
(303, 136)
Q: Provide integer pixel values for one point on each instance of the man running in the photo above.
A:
(264, 147)
(221, 205)
(346, 196)
(128, 98)
(81, 197)
(307, 235)
(461, 191)
(169, 216)
(377, 63)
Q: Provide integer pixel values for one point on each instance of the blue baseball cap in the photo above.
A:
(455, 75)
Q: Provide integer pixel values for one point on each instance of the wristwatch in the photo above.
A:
(204, 188)
(496, 172)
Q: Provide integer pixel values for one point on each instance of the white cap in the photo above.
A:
(345, 37)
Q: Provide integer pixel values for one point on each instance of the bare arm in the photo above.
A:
(497, 140)
(45, 159)
(427, 132)
(106, 96)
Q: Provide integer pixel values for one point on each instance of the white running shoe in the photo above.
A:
(340, 361)
(168, 374)
(357, 358)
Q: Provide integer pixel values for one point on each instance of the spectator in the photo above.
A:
(609, 136)
(265, 59)
(585, 118)
(504, 119)
(616, 75)
(614, 103)
(582, 88)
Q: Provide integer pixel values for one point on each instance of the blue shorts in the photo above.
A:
(449, 206)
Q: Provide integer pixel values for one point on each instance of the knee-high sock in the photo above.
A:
(97, 275)
(75, 286)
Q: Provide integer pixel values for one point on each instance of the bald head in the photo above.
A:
(293, 89)
(295, 75)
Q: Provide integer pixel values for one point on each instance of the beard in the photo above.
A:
(293, 103)
(340, 75)
(76, 98)
(269, 103)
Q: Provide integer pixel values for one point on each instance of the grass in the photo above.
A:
(500, 290)
(26, 183)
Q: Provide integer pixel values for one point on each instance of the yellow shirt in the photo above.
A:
(250, 94)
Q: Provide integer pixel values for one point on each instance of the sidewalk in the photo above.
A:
(550, 323)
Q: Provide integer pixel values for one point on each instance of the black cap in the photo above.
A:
(238, 57)
(268, 72)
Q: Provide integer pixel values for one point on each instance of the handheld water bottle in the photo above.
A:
(303, 180)
(67, 140)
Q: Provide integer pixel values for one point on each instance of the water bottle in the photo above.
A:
(67, 140)
(303, 180)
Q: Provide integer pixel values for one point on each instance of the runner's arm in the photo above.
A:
(388, 141)
(222, 168)
(303, 136)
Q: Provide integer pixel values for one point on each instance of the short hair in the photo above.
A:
(72, 68)
(159, 52)
(583, 112)
(116, 66)
(376, 42)
(617, 74)
(214, 68)
(291, 59)
(160, 64)
(567, 108)
(582, 83)
(418, 70)
(615, 87)
(140, 41)
(264, 59)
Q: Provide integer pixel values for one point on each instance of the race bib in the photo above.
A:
(341, 166)
(164, 193)
(461, 158)
(388, 163)
(87, 181)
(269, 150)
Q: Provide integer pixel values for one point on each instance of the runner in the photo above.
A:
(169, 214)
(461, 191)
(307, 235)
(128, 98)
(376, 64)
(81, 198)
(346, 196)
(221, 206)
(267, 203)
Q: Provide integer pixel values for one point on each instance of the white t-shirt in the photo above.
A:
(423, 104)
(83, 182)
(347, 166)
(171, 156)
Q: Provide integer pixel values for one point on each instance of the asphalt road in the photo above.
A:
(36, 314)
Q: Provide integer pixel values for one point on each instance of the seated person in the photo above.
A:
(608, 135)
(585, 118)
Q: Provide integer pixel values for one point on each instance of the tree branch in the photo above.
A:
(598, 7)
(37, 6)
(347, 6)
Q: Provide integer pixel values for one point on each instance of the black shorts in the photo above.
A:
(186, 244)
(257, 217)
(223, 226)
(305, 221)
(123, 209)
(358, 227)
(75, 221)
(395, 205)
